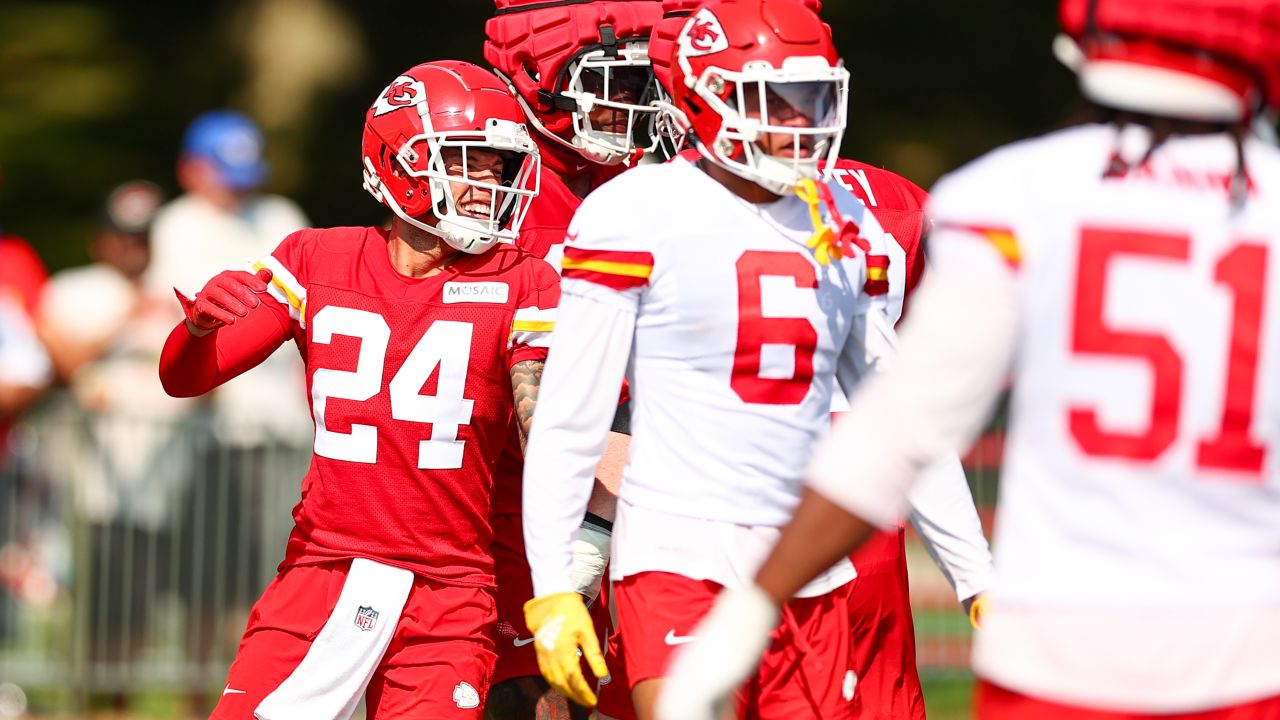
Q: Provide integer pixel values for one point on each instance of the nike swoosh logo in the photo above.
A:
(673, 639)
(228, 691)
(518, 642)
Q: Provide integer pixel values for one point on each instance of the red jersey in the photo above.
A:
(897, 203)
(22, 278)
(22, 275)
(549, 214)
(541, 232)
(542, 235)
(410, 388)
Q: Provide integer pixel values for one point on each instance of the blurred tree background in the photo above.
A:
(94, 93)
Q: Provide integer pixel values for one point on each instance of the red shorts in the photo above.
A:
(614, 698)
(432, 656)
(512, 639)
(997, 703)
(805, 673)
(884, 639)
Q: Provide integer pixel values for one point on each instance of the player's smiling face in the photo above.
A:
(481, 165)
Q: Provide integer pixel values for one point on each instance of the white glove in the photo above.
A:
(590, 556)
(730, 641)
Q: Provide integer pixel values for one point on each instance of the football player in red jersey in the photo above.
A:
(581, 72)
(424, 346)
(884, 662)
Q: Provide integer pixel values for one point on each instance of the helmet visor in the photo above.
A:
(811, 104)
(479, 180)
(481, 183)
(778, 126)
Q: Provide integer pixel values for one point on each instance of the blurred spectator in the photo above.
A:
(221, 221)
(24, 372)
(117, 444)
(24, 368)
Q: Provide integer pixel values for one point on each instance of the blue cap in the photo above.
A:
(232, 143)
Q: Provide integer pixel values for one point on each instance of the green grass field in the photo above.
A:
(948, 696)
(942, 634)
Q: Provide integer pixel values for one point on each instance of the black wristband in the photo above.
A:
(596, 521)
(622, 419)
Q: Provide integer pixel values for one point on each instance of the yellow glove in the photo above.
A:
(977, 607)
(560, 626)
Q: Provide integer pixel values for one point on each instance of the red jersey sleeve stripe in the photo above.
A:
(616, 270)
(1002, 239)
(877, 267)
(609, 280)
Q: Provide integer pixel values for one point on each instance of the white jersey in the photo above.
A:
(23, 361)
(735, 333)
(1137, 555)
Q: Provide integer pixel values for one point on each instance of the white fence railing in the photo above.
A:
(130, 552)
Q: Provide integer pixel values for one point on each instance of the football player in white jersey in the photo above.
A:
(731, 313)
(1125, 273)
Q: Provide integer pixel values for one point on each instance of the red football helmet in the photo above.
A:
(422, 135)
(662, 41)
(746, 69)
(666, 134)
(580, 70)
(1208, 60)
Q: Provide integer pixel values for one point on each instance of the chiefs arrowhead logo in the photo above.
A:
(400, 93)
(702, 35)
(403, 92)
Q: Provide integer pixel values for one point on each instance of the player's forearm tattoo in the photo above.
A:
(525, 379)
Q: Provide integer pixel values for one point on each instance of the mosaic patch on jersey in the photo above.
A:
(476, 292)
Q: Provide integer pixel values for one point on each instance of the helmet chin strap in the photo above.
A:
(461, 239)
(464, 239)
(748, 171)
(739, 169)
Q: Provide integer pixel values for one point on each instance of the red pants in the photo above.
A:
(436, 663)
(884, 639)
(997, 703)
(805, 673)
(512, 639)
(614, 697)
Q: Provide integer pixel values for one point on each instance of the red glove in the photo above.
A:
(229, 295)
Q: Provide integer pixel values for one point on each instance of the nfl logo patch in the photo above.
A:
(366, 618)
